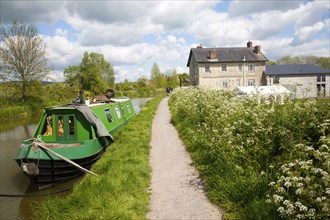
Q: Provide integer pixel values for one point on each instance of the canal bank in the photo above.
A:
(14, 183)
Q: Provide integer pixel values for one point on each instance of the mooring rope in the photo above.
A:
(34, 195)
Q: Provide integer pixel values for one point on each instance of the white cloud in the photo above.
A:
(121, 30)
(307, 33)
(244, 8)
(61, 32)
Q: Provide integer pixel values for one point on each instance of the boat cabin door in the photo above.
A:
(66, 127)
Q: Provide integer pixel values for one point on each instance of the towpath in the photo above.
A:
(177, 191)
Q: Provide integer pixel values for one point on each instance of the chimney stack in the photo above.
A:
(249, 44)
(200, 46)
(213, 54)
(257, 49)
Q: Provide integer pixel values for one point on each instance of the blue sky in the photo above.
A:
(132, 35)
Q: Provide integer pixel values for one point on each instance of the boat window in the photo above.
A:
(128, 108)
(122, 109)
(60, 126)
(71, 125)
(47, 129)
(118, 112)
(109, 117)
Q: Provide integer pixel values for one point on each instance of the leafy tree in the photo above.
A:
(157, 77)
(172, 78)
(23, 55)
(184, 79)
(323, 62)
(93, 73)
(142, 81)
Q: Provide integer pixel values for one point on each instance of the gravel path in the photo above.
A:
(177, 191)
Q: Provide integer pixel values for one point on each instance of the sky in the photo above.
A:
(133, 35)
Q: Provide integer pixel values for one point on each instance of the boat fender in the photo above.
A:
(30, 169)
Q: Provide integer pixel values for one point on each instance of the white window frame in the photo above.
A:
(240, 67)
(251, 67)
(251, 82)
(224, 67)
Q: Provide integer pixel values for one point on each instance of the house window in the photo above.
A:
(251, 82)
(320, 77)
(223, 67)
(238, 82)
(276, 80)
(240, 67)
(251, 67)
(321, 90)
(207, 69)
(225, 84)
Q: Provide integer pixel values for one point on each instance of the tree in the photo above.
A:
(184, 79)
(142, 81)
(157, 77)
(323, 62)
(172, 78)
(93, 73)
(23, 55)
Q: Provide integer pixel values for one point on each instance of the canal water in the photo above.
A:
(13, 183)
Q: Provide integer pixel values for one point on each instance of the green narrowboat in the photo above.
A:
(70, 138)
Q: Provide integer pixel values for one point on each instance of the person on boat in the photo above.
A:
(60, 127)
(49, 130)
(104, 98)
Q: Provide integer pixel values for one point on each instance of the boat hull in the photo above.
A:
(52, 172)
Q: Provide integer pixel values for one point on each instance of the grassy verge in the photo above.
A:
(120, 189)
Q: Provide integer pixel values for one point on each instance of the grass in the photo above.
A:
(120, 191)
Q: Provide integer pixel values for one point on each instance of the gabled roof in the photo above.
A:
(295, 69)
(231, 54)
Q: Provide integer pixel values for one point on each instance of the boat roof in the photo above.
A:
(71, 105)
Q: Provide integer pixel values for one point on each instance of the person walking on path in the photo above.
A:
(177, 191)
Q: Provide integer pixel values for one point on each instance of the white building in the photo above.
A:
(304, 80)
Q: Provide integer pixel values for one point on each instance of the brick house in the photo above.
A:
(304, 80)
(226, 68)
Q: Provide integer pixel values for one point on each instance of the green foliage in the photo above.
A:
(240, 147)
(120, 191)
(172, 79)
(23, 55)
(94, 73)
(323, 62)
(157, 78)
(184, 79)
(37, 97)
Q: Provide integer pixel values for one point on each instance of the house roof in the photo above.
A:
(231, 54)
(294, 69)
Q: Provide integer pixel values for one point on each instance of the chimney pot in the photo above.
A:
(200, 46)
(213, 54)
(257, 49)
(249, 44)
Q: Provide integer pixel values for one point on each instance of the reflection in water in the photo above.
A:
(13, 182)
(139, 103)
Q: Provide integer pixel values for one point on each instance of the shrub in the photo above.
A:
(236, 143)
